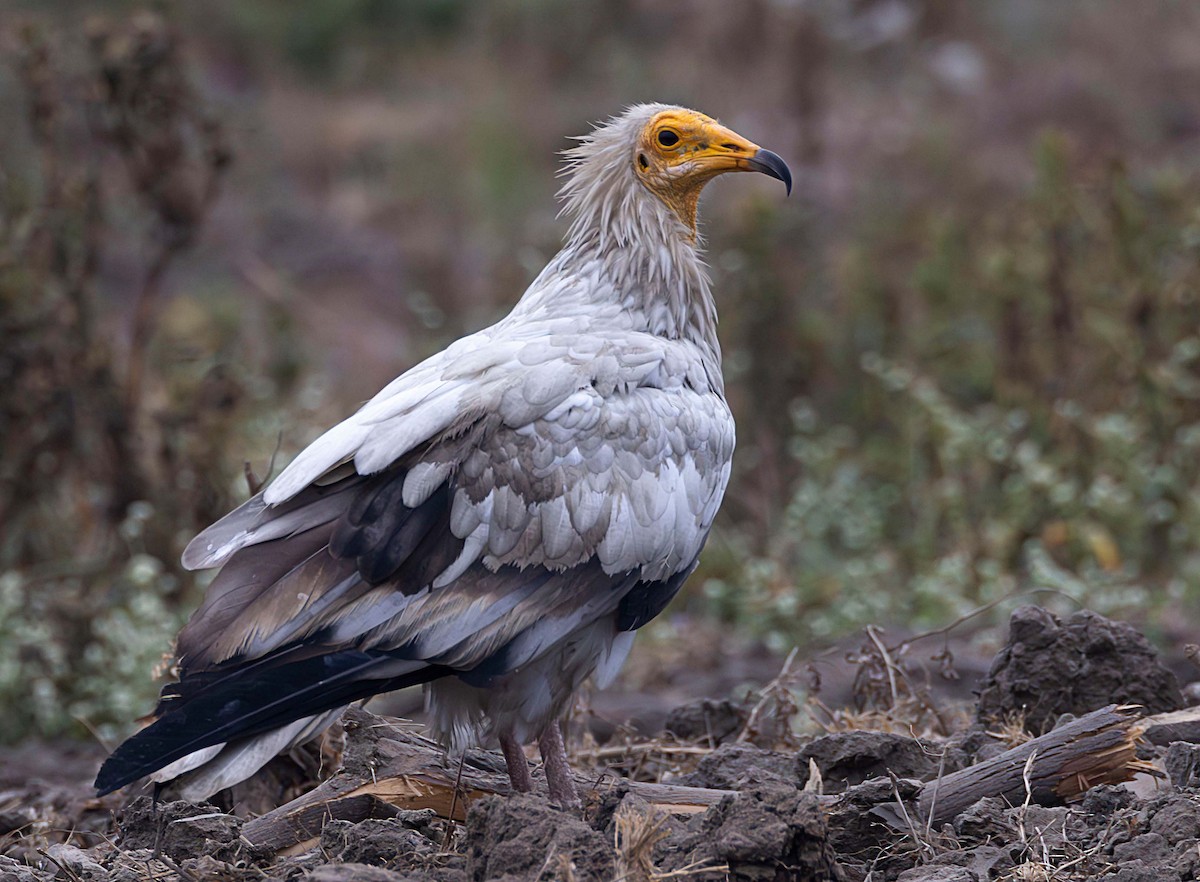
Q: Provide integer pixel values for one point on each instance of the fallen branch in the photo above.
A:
(1097, 748)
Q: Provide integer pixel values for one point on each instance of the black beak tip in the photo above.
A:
(772, 164)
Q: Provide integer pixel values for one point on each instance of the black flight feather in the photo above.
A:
(241, 707)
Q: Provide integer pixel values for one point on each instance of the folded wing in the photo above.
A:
(479, 514)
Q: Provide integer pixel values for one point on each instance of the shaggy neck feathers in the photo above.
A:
(625, 245)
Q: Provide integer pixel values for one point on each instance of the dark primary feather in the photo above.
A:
(647, 599)
(383, 534)
(255, 701)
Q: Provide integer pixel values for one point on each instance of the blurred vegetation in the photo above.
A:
(1039, 429)
(964, 358)
(110, 453)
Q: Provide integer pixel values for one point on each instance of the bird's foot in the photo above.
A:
(518, 766)
(558, 771)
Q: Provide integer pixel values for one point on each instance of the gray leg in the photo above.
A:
(558, 772)
(518, 766)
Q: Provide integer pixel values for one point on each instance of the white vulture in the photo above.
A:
(499, 520)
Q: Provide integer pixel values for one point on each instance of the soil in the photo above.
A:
(1051, 667)
(778, 822)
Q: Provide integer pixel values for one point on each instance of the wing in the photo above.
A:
(469, 518)
(573, 463)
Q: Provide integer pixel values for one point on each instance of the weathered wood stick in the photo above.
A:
(1097, 748)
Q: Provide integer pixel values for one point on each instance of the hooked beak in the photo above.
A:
(771, 164)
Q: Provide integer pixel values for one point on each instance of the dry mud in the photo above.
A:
(774, 826)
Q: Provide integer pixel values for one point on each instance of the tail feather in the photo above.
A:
(240, 707)
(236, 762)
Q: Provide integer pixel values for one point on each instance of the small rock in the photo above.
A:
(1183, 764)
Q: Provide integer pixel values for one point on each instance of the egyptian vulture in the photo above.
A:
(499, 520)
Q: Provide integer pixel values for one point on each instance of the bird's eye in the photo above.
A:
(667, 138)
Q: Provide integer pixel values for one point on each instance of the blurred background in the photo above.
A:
(964, 357)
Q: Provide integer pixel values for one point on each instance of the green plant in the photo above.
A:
(1038, 432)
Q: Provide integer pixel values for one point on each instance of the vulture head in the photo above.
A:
(667, 152)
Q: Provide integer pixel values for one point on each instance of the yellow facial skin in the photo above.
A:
(681, 151)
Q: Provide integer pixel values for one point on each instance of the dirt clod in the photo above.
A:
(848, 758)
(181, 830)
(12, 870)
(1050, 667)
(518, 837)
(1183, 764)
(931, 873)
(353, 873)
(769, 832)
(1175, 817)
(985, 821)
(382, 843)
(732, 766)
(769, 828)
(75, 863)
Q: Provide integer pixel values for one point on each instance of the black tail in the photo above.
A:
(250, 702)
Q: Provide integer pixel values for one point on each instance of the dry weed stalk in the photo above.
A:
(173, 149)
(885, 689)
(1012, 730)
(634, 836)
(770, 721)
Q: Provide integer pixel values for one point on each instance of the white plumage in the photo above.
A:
(499, 520)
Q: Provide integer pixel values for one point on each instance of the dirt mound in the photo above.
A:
(1051, 667)
(769, 832)
(846, 758)
(880, 805)
(520, 837)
